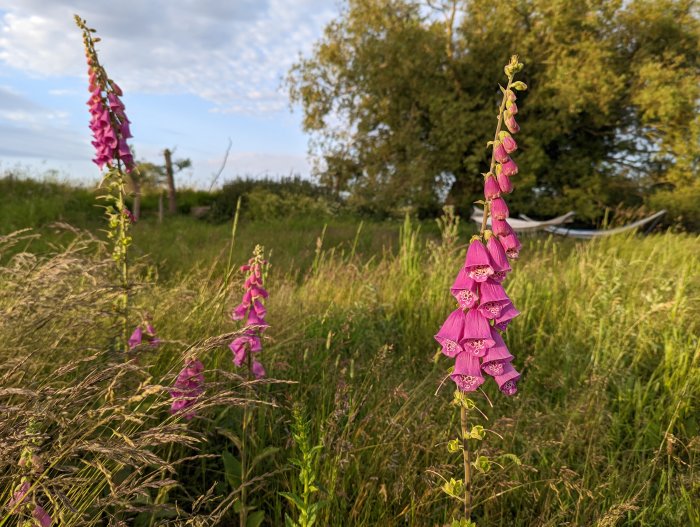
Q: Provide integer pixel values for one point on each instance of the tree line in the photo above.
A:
(399, 96)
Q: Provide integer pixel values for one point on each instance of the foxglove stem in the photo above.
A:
(466, 454)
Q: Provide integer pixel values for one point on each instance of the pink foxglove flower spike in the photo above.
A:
(472, 333)
(253, 311)
(189, 385)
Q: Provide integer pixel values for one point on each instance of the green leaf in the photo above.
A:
(255, 519)
(477, 432)
(233, 469)
(288, 522)
(296, 500)
(267, 452)
(482, 464)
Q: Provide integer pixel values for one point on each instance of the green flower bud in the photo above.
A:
(519, 85)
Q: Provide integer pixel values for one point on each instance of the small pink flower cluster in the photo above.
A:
(21, 498)
(139, 334)
(495, 186)
(189, 385)
(108, 121)
(253, 310)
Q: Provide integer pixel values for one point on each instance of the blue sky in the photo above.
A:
(194, 73)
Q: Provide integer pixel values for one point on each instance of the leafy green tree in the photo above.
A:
(397, 97)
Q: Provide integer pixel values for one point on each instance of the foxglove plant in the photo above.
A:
(244, 347)
(189, 385)
(110, 130)
(253, 311)
(472, 333)
(24, 501)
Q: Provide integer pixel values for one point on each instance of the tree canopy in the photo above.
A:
(400, 98)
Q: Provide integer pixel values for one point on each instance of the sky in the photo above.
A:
(194, 74)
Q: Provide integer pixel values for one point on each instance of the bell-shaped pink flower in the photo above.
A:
(465, 290)
(240, 346)
(493, 299)
(508, 380)
(504, 183)
(259, 308)
(151, 336)
(124, 129)
(135, 338)
(512, 108)
(510, 96)
(499, 153)
(467, 373)
(238, 312)
(511, 244)
(258, 291)
(19, 496)
(509, 143)
(115, 103)
(500, 227)
(476, 337)
(512, 124)
(499, 209)
(255, 320)
(478, 264)
(498, 258)
(491, 188)
(451, 333)
(508, 313)
(496, 357)
(258, 370)
(509, 168)
(41, 517)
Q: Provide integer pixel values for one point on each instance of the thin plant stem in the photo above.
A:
(243, 515)
(466, 455)
(123, 242)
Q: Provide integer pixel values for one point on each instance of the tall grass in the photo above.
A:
(606, 422)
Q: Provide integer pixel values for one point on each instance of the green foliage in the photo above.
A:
(307, 464)
(399, 100)
(27, 202)
(266, 199)
(682, 204)
(604, 427)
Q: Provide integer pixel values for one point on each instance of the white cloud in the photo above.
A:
(233, 53)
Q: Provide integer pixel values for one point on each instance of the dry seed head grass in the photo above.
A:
(98, 420)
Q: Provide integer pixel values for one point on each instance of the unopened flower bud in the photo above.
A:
(508, 142)
(509, 168)
(499, 209)
(504, 184)
(519, 85)
(499, 153)
(512, 124)
(491, 188)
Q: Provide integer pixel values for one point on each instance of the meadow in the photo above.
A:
(605, 429)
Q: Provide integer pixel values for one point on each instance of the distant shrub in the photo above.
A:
(682, 205)
(187, 199)
(268, 198)
(26, 202)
